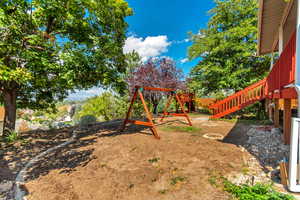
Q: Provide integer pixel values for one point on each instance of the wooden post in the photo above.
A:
(267, 102)
(269, 109)
(283, 173)
(287, 115)
(276, 113)
(183, 111)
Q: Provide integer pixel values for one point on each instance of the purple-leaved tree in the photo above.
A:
(161, 73)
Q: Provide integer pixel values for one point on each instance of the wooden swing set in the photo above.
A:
(139, 92)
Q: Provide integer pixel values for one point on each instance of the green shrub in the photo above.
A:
(12, 137)
(256, 192)
(87, 119)
(48, 117)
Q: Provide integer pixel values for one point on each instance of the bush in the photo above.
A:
(87, 119)
(48, 117)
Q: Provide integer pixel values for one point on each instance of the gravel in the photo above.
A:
(267, 145)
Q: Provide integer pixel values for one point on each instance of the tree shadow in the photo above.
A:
(66, 159)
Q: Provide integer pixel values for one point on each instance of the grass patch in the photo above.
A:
(188, 129)
(177, 179)
(197, 114)
(255, 192)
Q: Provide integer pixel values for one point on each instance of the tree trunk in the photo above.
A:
(10, 107)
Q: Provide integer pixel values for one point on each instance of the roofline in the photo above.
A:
(260, 12)
(285, 15)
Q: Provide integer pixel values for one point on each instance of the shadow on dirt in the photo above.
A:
(15, 156)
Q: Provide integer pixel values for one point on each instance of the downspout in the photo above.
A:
(271, 105)
(272, 60)
(294, 146)
(297, 56)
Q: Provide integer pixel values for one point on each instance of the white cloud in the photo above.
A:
(148, 47)
(184, 60)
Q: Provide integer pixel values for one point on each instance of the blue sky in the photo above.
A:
(170, 18)
(159, 28)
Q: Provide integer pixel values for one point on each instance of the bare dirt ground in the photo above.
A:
(106, 164)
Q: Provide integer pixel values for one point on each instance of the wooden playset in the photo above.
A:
(139, 92)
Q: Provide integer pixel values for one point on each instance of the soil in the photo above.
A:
(108, 164)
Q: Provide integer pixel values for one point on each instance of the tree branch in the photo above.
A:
(50, 24)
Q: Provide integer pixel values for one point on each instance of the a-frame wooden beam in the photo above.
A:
(137, 92)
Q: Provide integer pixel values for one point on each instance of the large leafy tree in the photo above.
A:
(49, 47)
(227, 48)
(161, 73)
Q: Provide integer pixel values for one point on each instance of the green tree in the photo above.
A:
(133, 61)
(51, 47)
(108, 106)
(227, 48)
(105, 107)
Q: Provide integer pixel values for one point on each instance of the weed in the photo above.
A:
(245, 170)
(12, 137)
(153, 160)
(189, 129)
(164, 191)
(257, 192)
(102, 165)
(212, 180)
(133, 149)
(177, 179)
(154, 180)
